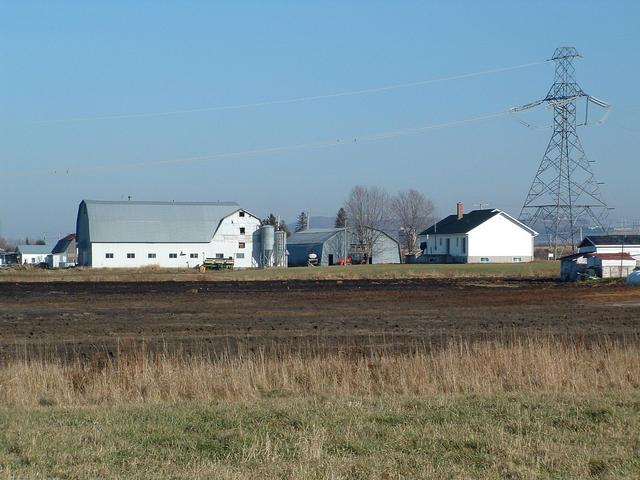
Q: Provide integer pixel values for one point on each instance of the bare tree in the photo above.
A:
(413, 212)
(367, 211)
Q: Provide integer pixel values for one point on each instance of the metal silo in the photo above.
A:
(280, 249)
(267, 234)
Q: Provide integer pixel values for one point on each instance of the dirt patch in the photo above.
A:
(80, 319)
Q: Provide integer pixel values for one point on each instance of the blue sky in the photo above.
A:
(82, 60)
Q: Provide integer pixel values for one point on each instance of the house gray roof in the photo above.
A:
(34, 249)
(153, 222)
(312, 236)
(452, 225)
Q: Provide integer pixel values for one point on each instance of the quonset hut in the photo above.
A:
(167, 234)
(331, 247)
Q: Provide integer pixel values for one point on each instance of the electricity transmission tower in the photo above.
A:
(564, 195)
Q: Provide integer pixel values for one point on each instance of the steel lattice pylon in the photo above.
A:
(564, 195)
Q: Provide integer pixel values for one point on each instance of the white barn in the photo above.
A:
(480, 236)
(167, 234)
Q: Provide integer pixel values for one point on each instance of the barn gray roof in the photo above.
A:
(34, 249)
(154, 222)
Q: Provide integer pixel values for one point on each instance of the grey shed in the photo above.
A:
(329, 245)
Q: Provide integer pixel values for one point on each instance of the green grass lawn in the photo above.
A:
(542, 436)
(534, 269)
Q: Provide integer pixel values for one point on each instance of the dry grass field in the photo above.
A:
(481, 376)
(533, 409)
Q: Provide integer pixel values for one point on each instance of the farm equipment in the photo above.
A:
(216, 264)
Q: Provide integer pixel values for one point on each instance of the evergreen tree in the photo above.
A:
(272, 220)
(301, 223)
(341, 218)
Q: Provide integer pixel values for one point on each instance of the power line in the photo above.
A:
(347, 140)
(291, 100)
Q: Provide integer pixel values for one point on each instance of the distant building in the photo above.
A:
(331, 247)
(605, 256)
(65, 253)
(33, 254)
(480, 236)
(167, 234)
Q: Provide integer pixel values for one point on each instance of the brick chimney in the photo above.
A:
(460, 210)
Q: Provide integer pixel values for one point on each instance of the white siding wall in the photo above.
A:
(500, 237)
(226, 242)
(437, 245)
(34, 258)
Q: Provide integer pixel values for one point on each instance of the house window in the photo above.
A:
(131, 255)
(241, 230)
(33, 260)
(457, 241)
(484, 259)
(440, 242)
(239, 255)
(219, 255)
(517, 259)
(193, 255)
(240, 244)
(108, 255)
(241, 214)
(173, 255)
(151, 255)
(464, 245)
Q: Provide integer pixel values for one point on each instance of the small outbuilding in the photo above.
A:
(605, 256)
(33, 254)
(334, 246)
(611, 244)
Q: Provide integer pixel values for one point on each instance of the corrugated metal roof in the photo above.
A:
(155, 222)
(34, 249)
(312, 236)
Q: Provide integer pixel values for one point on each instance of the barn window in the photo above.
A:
(131, 255)
(240, 244)
(193, 255)
(517, 259)
(173, 255)
(241, 214)
(219, 255)
(484, 259)
(108, 255)
(242, 230)
(239, 255)
(151, 255)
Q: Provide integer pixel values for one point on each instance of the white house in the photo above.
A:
(167, 234)
(480, 236)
